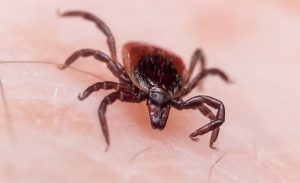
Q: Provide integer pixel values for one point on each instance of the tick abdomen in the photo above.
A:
(150, 66)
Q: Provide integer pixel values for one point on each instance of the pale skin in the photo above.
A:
(48, 135)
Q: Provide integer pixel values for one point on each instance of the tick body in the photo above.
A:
(154, 75)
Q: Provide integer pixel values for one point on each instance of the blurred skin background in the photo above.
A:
(47, 135)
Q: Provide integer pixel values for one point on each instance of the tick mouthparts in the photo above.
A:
(158, 116)
(157, 123)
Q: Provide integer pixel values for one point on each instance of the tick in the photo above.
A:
(154, 75)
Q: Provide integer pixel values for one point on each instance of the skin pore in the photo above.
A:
(48, 135)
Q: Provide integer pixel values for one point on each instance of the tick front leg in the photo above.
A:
(114, 67)
(214, 135)
(107, 85)
(198, 102)
(101, 25)
(111, 98)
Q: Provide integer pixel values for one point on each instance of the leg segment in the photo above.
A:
(114, 67)
(207, 112)
(111, 98)
(197, 102)
(106, 85)
(197, 56)
(101, 25)
(213, 71)
(214, 135)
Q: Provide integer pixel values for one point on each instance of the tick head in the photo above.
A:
(159, 108)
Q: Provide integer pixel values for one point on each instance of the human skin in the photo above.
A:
(47, 135)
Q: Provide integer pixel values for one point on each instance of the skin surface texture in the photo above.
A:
(48, 135)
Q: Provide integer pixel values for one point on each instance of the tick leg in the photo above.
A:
(106, 85)
(213, 71)
(101, 25)
(214, 135)
(114, 67)
(198, 102)
(111, 98)
(197, 56)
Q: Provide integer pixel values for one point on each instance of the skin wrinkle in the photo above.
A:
(213, 165)
(7, 115)
(139, 153)
(5, 105)
(182, 152)
(55, 97)
(176, 158)
(50, 63)
(9, 168)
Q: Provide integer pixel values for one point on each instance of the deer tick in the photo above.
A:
(153, 74)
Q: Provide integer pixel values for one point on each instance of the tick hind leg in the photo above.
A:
(206, 72)
(101, 25)
(114, 67)
(198, 56)
(111, 98)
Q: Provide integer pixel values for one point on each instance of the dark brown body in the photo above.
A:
(152, 74)
(149, 65)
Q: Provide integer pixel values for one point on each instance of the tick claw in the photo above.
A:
(58, 12)
(230, 81)
(212, 147)
(194, 139)
(61, 67)
(80, 97)
(106, 149)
